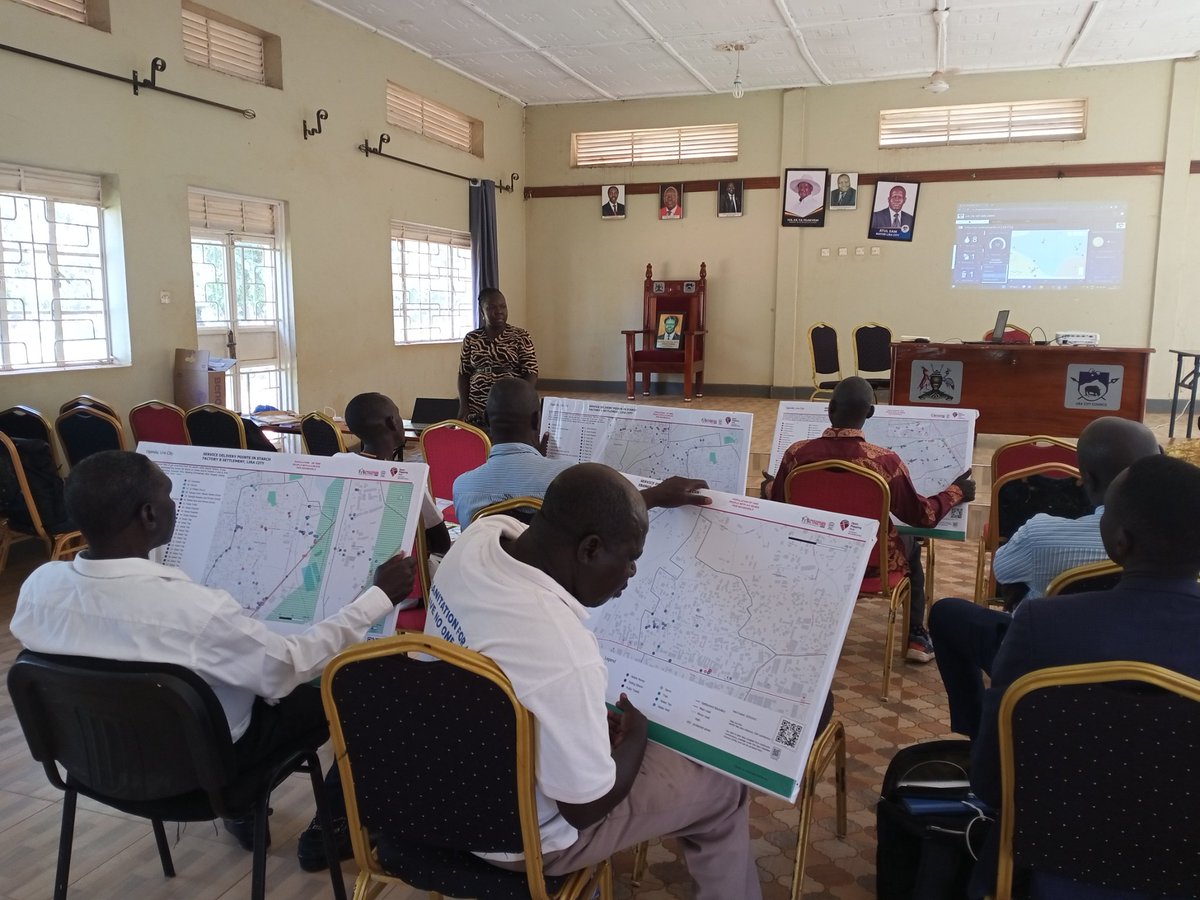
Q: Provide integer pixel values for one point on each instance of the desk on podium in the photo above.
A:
(1024, 388)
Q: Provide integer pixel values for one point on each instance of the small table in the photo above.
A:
(1187, 381)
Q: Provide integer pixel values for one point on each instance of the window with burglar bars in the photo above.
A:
(54, 307)
(431, 284)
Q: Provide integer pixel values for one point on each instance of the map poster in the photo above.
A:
(654, 441)
(293, 538)
(728, 636)
(937, 445)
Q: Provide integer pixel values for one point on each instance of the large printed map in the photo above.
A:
(292, 538)
(935, 443)
(728, 635)
(653, 441)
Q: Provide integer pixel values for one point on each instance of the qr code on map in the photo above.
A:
(789, 734)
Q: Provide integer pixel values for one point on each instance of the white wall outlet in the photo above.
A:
(860, 251)
(842, 251)
(825, 252)
(874, 251)
(164, 297)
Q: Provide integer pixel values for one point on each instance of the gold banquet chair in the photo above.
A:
(387, 712)
(520, 508)
(1097, 576)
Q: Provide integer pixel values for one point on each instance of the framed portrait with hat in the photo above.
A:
(804, 193)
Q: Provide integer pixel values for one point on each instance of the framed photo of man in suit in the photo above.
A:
(612, 201)
(804, 197)
(670, 197)
(729, 197)
(843, 191)
(669, 327)
(894, 215)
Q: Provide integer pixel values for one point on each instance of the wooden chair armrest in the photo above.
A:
(638, 331)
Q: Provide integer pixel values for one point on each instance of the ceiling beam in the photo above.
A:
(662, 42)
(1084, 27)
(801, 44)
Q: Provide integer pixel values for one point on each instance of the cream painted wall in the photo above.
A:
(339, 204)
(768, 284)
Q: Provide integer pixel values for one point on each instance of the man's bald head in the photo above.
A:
(512, 410)
(853, 402)
(1108, 446)
(367, 414)
(592, 498)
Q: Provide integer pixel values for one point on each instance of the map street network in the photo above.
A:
(652, 441)
(728, 635)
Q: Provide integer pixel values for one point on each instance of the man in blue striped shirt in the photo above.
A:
(517, 465)
(967, 635)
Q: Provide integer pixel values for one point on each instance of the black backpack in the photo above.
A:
(927, 823)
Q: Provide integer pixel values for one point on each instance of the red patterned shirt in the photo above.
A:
(908, 506)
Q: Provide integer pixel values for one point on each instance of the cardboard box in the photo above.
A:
(194, 382)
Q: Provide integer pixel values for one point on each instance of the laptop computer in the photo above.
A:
(997, 329)
(429, 410)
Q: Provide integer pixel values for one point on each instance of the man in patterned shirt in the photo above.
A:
(969, 635)
(497, 350)
(853, 402)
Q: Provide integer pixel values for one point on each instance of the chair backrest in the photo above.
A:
(123, 731)
(1052, 488)
(389, 711)
(84, 430)
(872, 348)
(520, 508)
(27, 422)
(321, 435)
(91, 402)
(1032, 451)
(1098, 778)
(159, 422)
(31, 490)
(1098, 576)
(823, 350)
(210, 425)
(1012, 335)
(449, 449)
(841, 487)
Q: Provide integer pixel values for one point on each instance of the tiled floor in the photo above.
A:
(115, 856)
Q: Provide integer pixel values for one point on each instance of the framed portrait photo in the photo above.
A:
(612, 201)
(894, 211)
(843, 191)
(729, 197)
(669, 327)
(804, 197)
(670, 201)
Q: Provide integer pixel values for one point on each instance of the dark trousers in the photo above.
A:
(916, 580)
(967, 638)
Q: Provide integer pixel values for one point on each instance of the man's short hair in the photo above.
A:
(104, 491)
(511, 401)
(591, 498)
(1156, 504)
(366, 412)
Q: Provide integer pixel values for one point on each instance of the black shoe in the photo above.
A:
(243, 830)
(310, 850)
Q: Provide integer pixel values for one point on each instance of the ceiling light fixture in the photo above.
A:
(739, 90)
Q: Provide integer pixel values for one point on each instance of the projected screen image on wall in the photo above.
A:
(1039, 246)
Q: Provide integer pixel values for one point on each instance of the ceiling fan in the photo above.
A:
(937, 83)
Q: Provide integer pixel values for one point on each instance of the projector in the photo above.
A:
(1077, 338)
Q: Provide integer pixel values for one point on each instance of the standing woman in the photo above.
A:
(497, 350)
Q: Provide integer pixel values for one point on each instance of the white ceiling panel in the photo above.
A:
(551, 51)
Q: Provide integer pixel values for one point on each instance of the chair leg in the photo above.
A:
(164, 849)
(646, 384)
(312, 764)
(980, 564)
(6, 541)
(639, 863)
(63, 872)
(839, 770)
(930, 561)
(900, 598)
(606, 880)
(258, 867)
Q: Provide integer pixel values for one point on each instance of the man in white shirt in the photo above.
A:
(112, 602)
(520, 595)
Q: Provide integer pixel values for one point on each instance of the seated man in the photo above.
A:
(520, 595)
(376, 421)
(112, 602)
(517, 465)
(853, 402)
(968, 635)
(1150, 528)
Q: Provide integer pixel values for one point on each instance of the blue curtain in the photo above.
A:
(485, 264)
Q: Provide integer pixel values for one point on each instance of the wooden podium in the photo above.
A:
(1023, 388)
(682, 299)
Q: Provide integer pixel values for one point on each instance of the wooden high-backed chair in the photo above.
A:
(684, 299)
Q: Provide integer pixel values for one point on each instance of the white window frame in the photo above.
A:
(27, 184)
(984, 123)
(655, 146)
(436, 121)
(463, 302)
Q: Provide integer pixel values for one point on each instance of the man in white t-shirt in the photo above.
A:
(520, 595)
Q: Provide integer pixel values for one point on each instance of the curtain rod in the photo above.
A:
(158, 64)
(367, 150)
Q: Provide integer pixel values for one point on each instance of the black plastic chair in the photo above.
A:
(27, 422)
(150, 740)
(321, 435)
(215, 426)
(389, 713)
(91, 403)
(84, 430)
(823, 350)
(873, 354)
